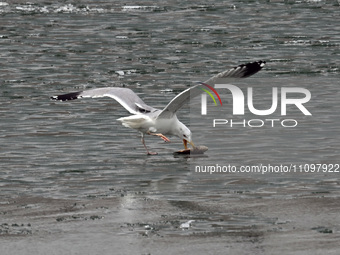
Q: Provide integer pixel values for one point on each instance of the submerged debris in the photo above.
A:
(197, 150)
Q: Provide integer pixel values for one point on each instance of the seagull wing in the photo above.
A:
(126, 97)
(241, 71)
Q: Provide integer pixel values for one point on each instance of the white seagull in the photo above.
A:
(152, 121)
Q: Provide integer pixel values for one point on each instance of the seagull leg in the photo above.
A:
(185, 143)
(148, 152)
(160, 135)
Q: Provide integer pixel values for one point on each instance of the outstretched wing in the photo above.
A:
(241, 71)
(126, 97)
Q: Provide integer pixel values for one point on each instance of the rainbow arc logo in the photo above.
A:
(204, 97)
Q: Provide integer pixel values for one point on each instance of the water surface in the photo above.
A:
(55, 154)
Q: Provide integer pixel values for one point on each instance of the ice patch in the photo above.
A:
(187, 224)
(142, 8)
(120, 73)
(122, 37)
(68, 8)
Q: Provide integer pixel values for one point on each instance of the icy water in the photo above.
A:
(73, 180)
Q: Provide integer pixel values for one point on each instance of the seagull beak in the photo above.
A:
(192, 144)
(185, 142)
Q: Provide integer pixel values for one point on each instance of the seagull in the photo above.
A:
(151, 121)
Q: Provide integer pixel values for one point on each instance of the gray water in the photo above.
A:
(77, 151)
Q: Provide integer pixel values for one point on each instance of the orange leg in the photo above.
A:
(148, 152)
(185, 142)
(160, 135)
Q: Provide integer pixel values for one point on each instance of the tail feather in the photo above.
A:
(134, 121)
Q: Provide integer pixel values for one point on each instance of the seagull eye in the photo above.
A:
(185, 136)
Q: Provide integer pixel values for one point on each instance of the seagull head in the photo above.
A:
(184, 133)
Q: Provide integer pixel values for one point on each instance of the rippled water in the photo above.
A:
(78, 150)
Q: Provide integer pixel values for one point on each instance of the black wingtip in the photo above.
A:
(65, 97)
(249, 69)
